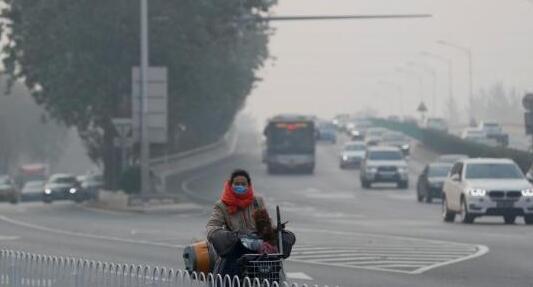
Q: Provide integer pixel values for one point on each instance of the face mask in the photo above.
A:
(239, 189)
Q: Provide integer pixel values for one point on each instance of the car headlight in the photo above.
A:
(527, 192)
(402, 169)
(344, 157)
(48, 191)
(476, 192)
(405, 146)
(72, 190)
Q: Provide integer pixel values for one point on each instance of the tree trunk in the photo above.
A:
(110, 157)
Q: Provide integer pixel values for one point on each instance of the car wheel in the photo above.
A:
(447, 214)
(365, 183)
(47, 200)
(509, 219)
(429, 198)
(271, 170)
(403, 185)
(14, 200)
(419, 197)
(528, 219)
(466, 217)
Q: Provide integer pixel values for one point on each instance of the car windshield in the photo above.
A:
(67, 180)
(493, 171)
(385, 155)
(355, 147)
(5, 180)
(34, 184)
(439, 170)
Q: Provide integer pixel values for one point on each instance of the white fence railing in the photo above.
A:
(21, 269)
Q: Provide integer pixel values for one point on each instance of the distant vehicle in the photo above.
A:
(91, 184)
(357, 135)
(493, 130)
(31, 172)
(384, 164)
(398, 140)
(290, 144)
(487, 187)
(33, 190)
(374, 136)
(436, 124)
(352, 154)
(474, 135)
(451, 158)
(340, 121)
(63, 187)
(410, 120)
(8, 190)
(326, 132)
(431, 181)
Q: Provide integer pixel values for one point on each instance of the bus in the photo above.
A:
(290, 144)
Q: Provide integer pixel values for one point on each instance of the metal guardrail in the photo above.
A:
(21, 269)
(171, 158)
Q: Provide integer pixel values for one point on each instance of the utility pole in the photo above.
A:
(144, 137)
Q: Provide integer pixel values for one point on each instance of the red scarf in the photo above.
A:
(234, 201)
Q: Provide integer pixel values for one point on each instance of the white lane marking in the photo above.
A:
(8, 238)
(482, 250)
(298, 276)
(86, 235)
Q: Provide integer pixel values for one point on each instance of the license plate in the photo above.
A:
(387, 174)
(505, 204)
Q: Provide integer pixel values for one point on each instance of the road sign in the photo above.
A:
(123, 126)
(527, 102)
(422, 108)
(156, 104)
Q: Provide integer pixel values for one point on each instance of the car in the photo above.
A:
(487, 187)
(451, 158)
(474, 135)
(8, 190)
(437, 124)
(495, 132)
(91, 184)
(33, 190)
(398, 140)
(431, 181)
(352, 154)
(63, 187)
(326, 132)
(373, 136)
(384, 164)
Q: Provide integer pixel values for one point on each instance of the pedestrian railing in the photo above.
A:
(21, 269)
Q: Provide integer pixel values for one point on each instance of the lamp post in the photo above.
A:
(144, 138)
(468, 52)
(430, 71)
(449, 63)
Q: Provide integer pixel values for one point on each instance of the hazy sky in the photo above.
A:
(330, 67)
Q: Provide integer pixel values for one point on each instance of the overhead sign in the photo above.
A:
(422, 108)
(157, 104)
(527, 102)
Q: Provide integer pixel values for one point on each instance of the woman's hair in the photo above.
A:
(264, 227)
(240, 172)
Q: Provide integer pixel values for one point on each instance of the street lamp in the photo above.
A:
(399, 93)
(449, 63)
(144, 139)
(417, 76)
(468, 53)
(430, 71)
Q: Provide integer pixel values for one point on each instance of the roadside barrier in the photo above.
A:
(21, 269)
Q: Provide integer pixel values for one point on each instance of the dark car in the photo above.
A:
(8, 190)
(398, 140)
(91, 183)
(63, 187)
(33, 190)
(431, 181)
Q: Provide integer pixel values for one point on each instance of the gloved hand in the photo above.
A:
(251, 243)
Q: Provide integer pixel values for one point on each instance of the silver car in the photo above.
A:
(352, 154)
(487, 187)
(384, 165)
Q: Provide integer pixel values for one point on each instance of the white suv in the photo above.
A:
(384, 164)
(487, 187)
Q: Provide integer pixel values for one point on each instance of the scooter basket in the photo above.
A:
(262, 267)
